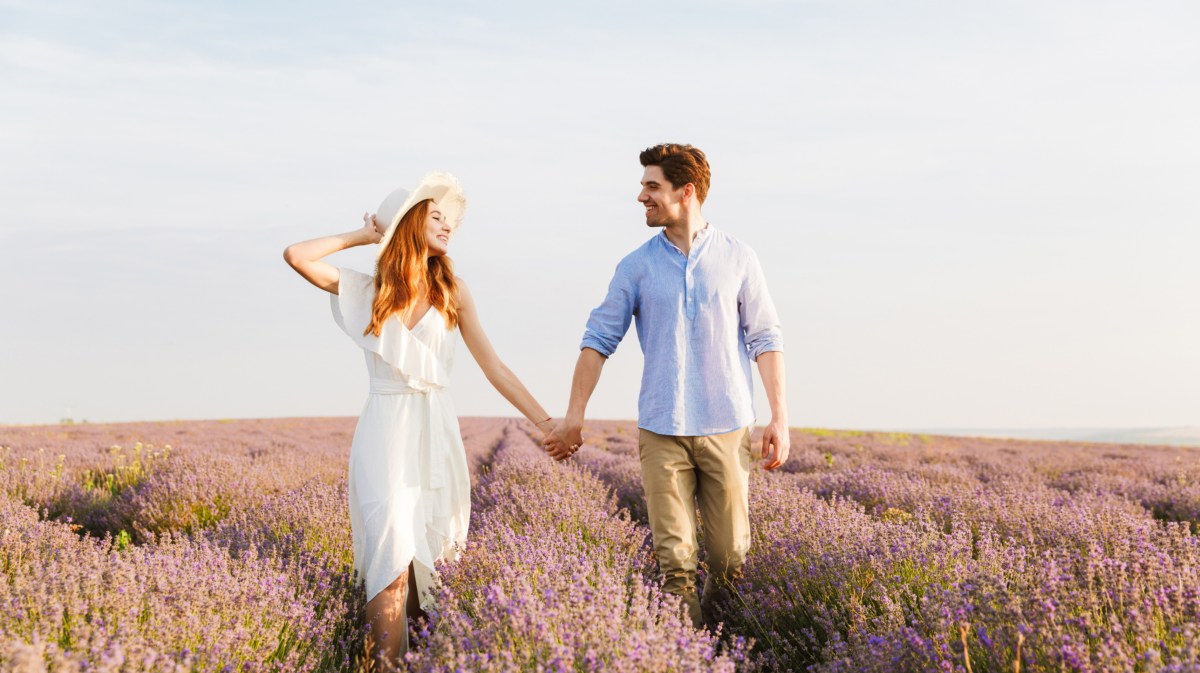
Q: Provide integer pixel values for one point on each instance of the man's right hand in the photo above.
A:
(567, 437)
(564, 440)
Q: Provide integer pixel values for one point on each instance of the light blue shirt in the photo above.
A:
(700, 319)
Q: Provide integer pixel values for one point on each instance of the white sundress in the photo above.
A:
(410, 488)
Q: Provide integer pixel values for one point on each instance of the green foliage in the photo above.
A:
(128, 469)
(122, 541)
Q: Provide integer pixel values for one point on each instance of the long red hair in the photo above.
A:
(405, 267)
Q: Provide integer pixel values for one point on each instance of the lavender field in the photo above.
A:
(224, 546)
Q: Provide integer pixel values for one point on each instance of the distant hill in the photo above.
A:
(1175, 436)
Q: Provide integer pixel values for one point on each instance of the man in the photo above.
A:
(703, 312)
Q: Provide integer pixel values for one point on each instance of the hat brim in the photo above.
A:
(442, 188)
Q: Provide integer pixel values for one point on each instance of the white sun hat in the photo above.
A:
(442, 187)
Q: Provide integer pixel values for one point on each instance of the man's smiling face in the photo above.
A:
(662, 201)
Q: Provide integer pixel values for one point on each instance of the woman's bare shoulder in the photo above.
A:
(462, 291)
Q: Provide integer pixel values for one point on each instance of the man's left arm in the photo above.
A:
(776, 439)
(764, 340)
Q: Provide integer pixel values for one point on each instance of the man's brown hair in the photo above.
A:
(680, 165)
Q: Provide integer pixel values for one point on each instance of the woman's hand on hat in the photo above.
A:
(371, 229)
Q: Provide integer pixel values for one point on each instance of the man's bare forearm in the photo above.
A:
(771, 369)
(583, 383)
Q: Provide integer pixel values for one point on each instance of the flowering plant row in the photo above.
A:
(214, 546)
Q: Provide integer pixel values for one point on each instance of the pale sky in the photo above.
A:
(969, 214)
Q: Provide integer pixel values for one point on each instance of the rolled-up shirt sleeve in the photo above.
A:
(610, 320)
(760, 322)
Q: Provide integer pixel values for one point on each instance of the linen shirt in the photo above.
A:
(700, 319)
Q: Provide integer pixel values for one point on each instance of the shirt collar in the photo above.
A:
(700, 236)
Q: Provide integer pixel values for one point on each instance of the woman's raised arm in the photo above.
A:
(306, 257)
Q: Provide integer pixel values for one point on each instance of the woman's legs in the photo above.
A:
(386, 616)
(388, 635)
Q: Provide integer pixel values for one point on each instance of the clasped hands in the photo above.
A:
(564, 440)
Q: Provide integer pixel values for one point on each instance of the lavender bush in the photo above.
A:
(214, 546)
(554, 579)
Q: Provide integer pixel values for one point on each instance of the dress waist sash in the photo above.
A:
(411, 387)
(435, 444)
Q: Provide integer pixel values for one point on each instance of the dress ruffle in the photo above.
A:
(395, 344)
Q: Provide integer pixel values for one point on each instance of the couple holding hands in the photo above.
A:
(703, 313)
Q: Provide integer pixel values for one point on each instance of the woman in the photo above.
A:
(409, 483)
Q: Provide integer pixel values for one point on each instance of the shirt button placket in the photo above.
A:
(689, 290)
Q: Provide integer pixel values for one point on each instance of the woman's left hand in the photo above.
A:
(371, 228)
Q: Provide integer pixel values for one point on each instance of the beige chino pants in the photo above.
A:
(712, 473)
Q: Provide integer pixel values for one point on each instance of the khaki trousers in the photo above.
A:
(712, 473)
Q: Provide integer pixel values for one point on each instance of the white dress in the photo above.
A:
(410, 488)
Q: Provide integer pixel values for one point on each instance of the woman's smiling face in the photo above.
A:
(437, 231)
